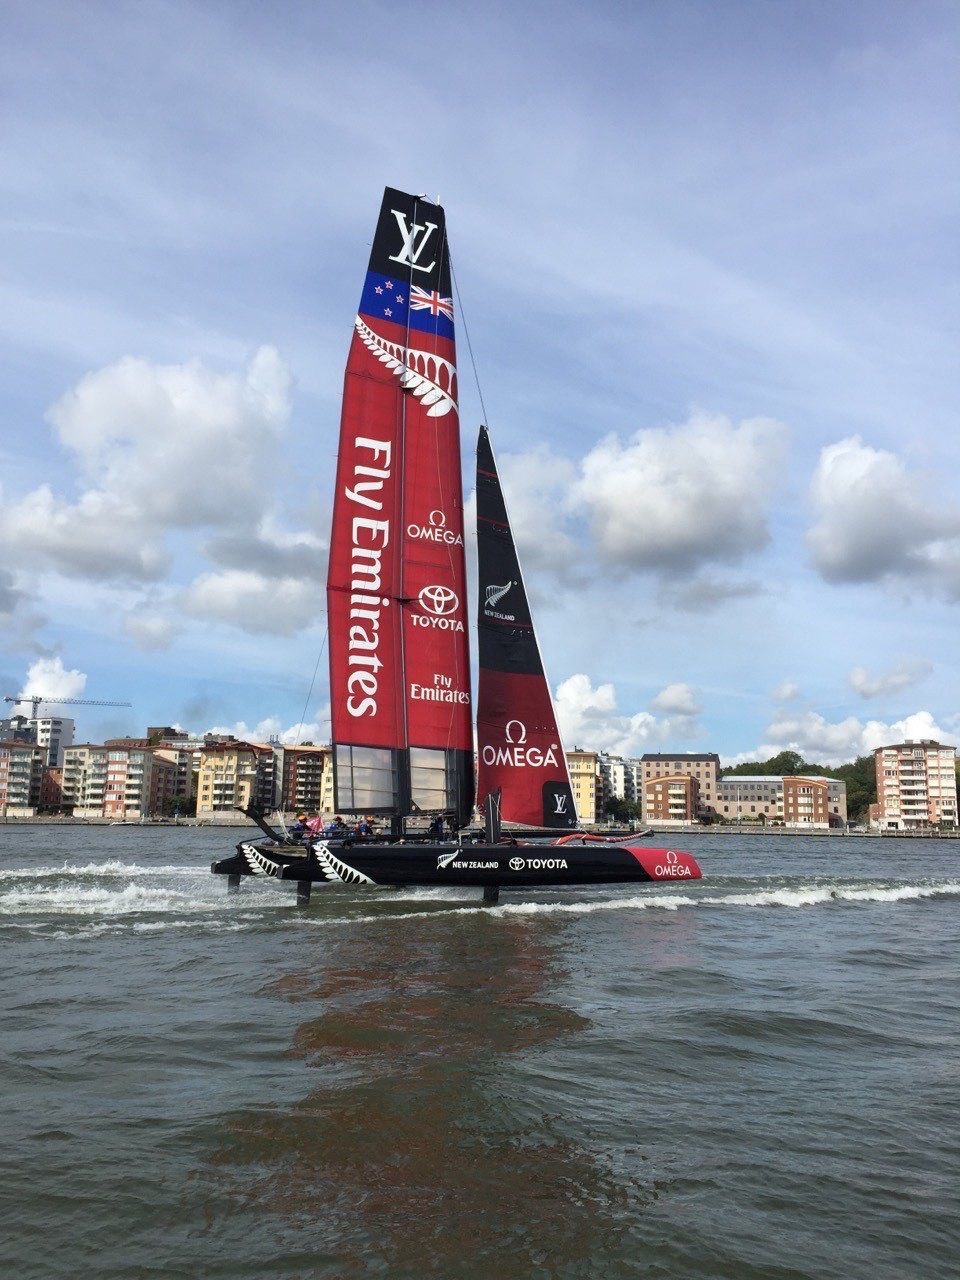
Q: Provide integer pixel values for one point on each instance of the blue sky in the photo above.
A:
(708, 256)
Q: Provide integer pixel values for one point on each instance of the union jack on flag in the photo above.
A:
(424, 300)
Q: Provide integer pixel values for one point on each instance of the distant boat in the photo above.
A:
(399, 630)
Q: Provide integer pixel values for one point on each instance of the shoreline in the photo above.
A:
(235, 822)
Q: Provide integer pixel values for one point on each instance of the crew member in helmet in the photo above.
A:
(298, 828)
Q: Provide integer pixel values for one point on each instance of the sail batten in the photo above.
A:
(520, 753)
(399, 648)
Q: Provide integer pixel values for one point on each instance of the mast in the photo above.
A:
(519, 748)
(396, 586)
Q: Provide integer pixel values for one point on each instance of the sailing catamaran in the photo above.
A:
(399, 633)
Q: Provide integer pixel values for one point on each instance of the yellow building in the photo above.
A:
(585, 779)
(228, 777)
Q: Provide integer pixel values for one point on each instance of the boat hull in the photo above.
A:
(507, 866)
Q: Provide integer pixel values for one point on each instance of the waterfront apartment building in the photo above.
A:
(232, 774)
(307, 779)
(21, 777)
(585, 779)
(671, 798)
(185, 759)
(123, 780)
(704, 768)
(812, 802)
(51, 790)
(916, 786)
(53, 733)
(619, 779)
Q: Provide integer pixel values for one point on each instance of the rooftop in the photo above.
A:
(707, 756)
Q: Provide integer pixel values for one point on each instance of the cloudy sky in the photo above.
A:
(708, 257)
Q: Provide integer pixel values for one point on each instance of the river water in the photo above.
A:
(754, 1076)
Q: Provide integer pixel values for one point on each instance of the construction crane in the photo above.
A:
(37, 698)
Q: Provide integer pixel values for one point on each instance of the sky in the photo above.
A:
(707, 255)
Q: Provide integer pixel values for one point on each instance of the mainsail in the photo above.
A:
(396, 586)
(518, 743)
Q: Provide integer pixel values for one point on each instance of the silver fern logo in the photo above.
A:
(334, 869)
(492, 596)
(430, 378)
(495, 594)
(258, 864)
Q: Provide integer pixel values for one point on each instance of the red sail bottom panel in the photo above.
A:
(520, 750)
(666, 864)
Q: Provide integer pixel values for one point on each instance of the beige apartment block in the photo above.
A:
(916, 786)
(84, 779)
(21, 777)
(704, 768)
(229, 777)
(671, 798)
(122, 780)
(787, 801)
(586, 781)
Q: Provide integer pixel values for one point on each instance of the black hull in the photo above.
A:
(505, 866)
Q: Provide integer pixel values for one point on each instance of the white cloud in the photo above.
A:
(786, 691)
(181, 443)
(677, 699)
(254, 602)
(904, 676)
(149, 631)
(269, 728)
(875, 521)
(98, 537)
(678, 498)
(588, 717)
(536, 487)
(832, 742)
(158, 447)
(48, 676)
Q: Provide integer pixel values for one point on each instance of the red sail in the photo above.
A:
(519, 748)
(399, 656)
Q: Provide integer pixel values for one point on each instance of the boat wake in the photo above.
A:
(113, 895)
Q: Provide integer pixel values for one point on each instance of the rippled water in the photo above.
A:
(754, 1076)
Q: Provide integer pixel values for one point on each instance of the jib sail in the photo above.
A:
(518, 743)
(396, 587)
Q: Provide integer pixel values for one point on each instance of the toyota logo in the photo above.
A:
(438, 600)
(516, 864)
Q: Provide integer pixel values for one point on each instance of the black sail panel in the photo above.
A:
(518, 742)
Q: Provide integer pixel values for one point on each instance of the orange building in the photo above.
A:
(671, 797)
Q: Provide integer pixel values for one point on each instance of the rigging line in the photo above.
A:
(466, 334)
(306, 703)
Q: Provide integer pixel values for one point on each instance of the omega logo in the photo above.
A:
(521, 732)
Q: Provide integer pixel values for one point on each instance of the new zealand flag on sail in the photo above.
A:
(408, 282)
